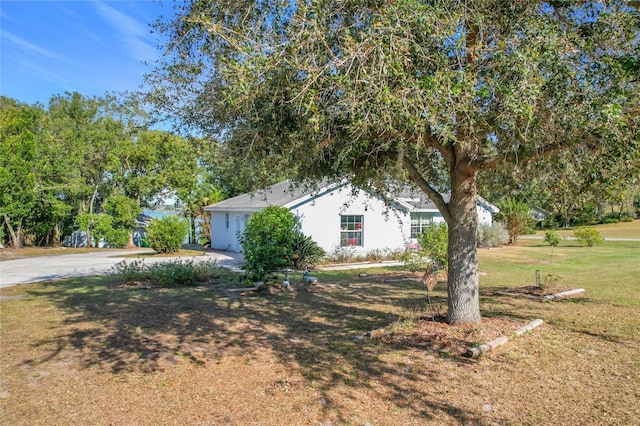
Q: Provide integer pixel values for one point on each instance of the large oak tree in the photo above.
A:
(433, 91)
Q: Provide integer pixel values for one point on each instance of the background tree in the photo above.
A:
(20, 130)
(516, 217)
(167, 233)
(123, 211)
(368, 90)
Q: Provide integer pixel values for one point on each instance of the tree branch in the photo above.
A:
(435, 196)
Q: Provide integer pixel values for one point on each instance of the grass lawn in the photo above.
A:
(82, 351)
(610, 230)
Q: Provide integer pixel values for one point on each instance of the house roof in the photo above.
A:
(281, 194)
(287, 194)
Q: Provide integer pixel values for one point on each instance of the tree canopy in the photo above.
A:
(431, 91)
(92, 163)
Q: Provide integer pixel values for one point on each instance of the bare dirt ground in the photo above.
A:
(92, 353)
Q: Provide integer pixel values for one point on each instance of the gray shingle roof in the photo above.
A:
(279, 194)
(286, 193)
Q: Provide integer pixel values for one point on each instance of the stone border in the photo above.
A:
(543, 298)
(564, 293)
(477, 351)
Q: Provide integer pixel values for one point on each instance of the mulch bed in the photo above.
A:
(434, 334)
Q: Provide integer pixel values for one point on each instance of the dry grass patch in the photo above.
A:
(84, 352)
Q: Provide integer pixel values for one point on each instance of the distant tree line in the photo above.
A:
(93, 164)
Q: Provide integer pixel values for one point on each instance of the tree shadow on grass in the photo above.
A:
(317, 334)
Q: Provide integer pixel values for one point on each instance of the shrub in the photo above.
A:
(551, 238)
(414, 260)
(588, 236)
(434, 242)
(626, 217)
(610, 218)
(167, 234)
(306, 252)
(550, 223)
(515, 216)
(340, 254)
(549, 280)
(173, 273)
(104, 230)
(128, 272)
(268, 241)
(491, 235)
(585, 216)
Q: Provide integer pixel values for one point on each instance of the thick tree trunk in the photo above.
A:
(130, 243)
(463, 288)
(56, 235)
(16, 241)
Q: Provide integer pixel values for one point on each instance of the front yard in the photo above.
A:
(85, 352)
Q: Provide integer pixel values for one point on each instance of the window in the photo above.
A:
(350, 230)
(226, 220)
(418, 222)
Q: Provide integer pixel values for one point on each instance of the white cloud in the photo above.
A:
(26, 45)
(132, 33)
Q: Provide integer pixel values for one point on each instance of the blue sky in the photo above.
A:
(92, 47)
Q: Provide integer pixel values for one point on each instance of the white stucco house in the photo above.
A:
(334, 217)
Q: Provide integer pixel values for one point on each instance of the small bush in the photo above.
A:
(550, 223)
(341, 254)
(434, 243)
(610, 218)
(414, 260)
(167, 234)
(626, 217)
(588, 236)
(551, 238)
(491, 235)
(549, 280)
(129, 272)
(268, 242)
(306, 252)
(174, 273)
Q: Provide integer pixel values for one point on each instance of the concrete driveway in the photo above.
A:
(48, 268)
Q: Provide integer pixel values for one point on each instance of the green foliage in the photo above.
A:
(340, 254)
(88, 156)
(268, 241)
(434, 242)
(588, 236)
(551, 238)
(174, 273)
(515, 216)
(494, 235)
(123, 211)
(166, 234)
(445, 91)
(306, 252)
(414, 260)
(549, 280)
(626, 217)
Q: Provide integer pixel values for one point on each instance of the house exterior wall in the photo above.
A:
(226, 227)
(484, 216)
(382, 228)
